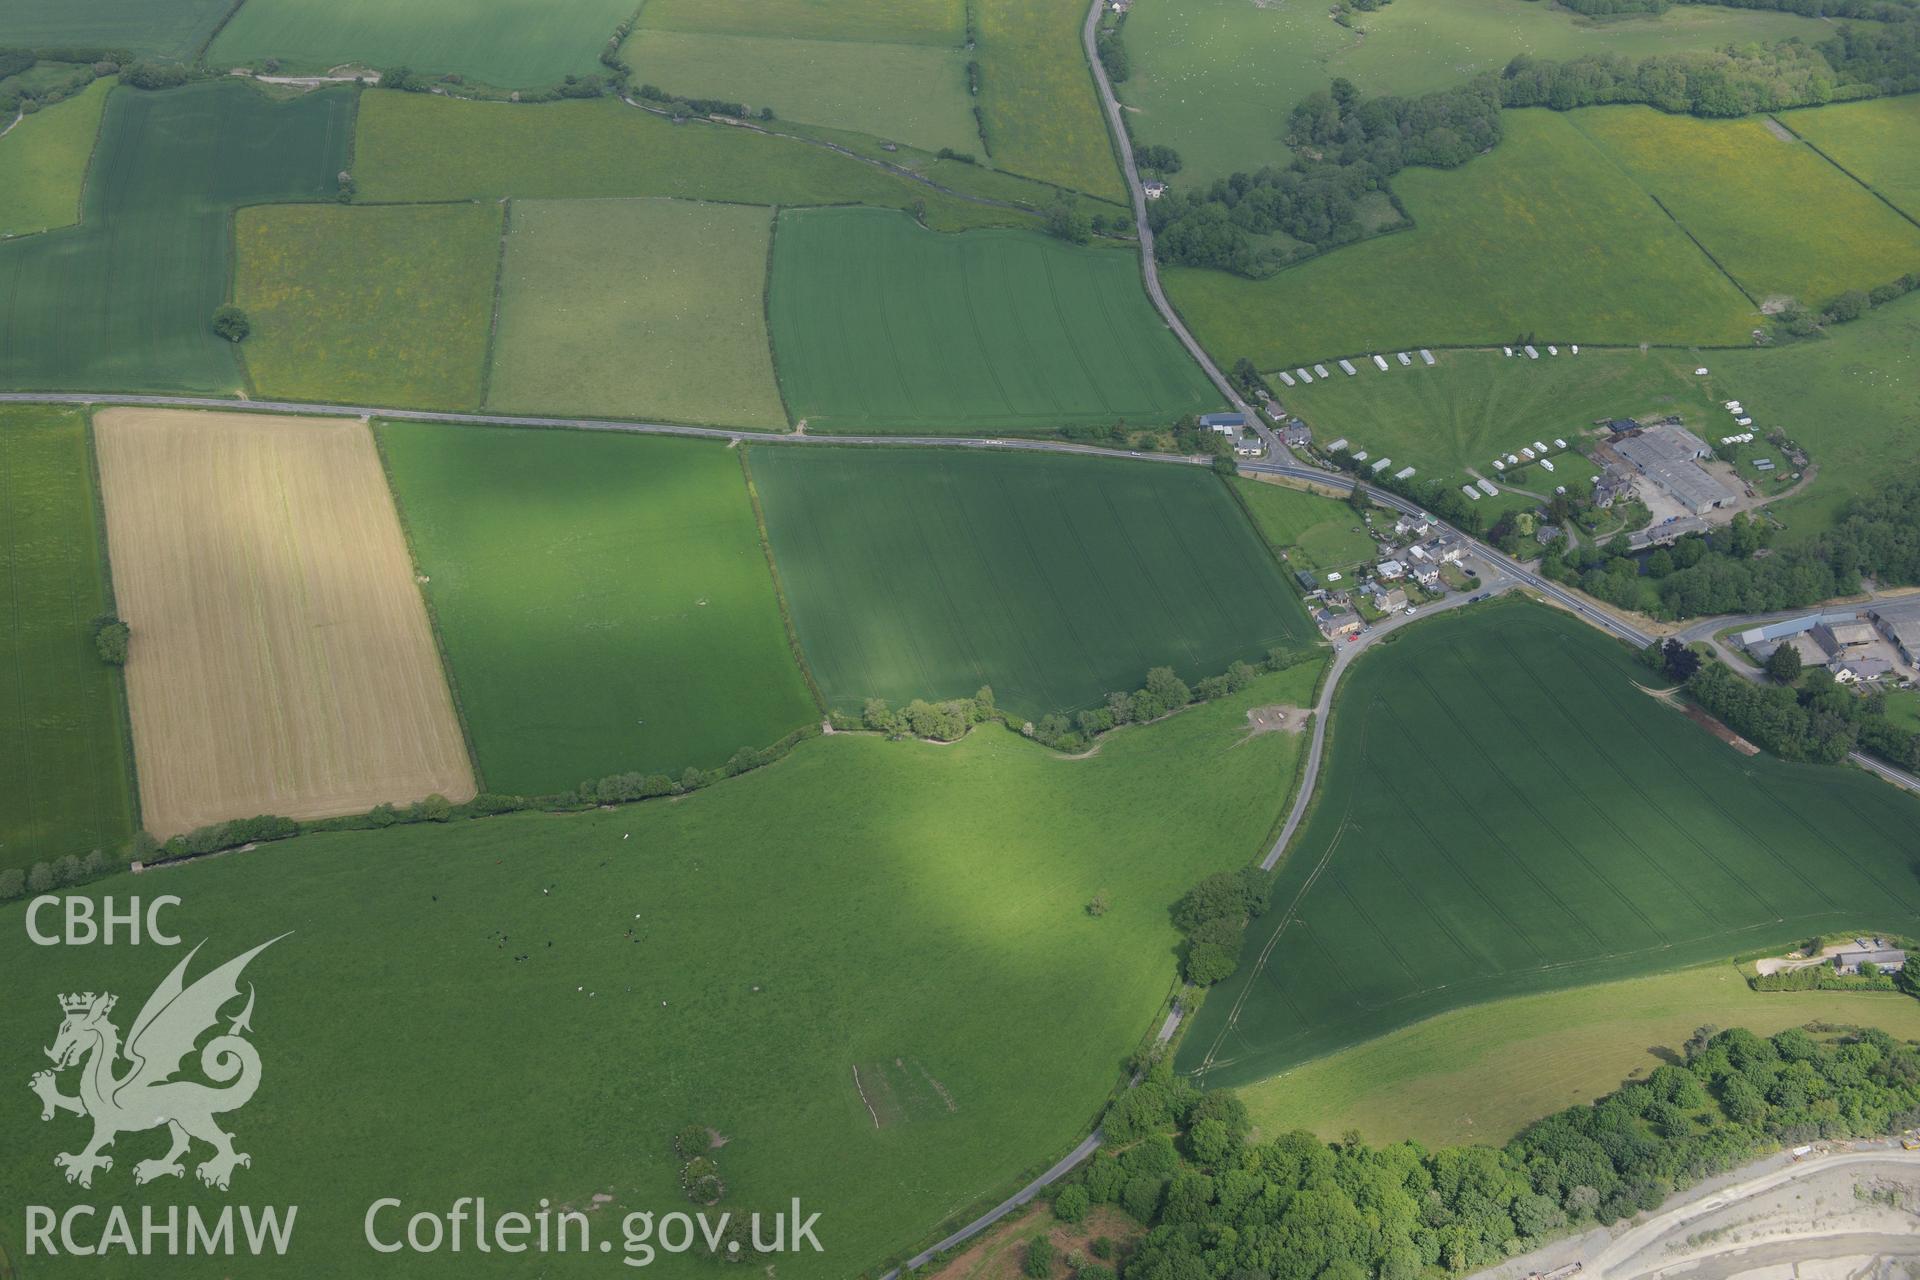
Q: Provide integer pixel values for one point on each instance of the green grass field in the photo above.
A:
(1903, 708)
(928, 573)
(913, 93)
(45, 160)
(1775, 214)
(1042, 110)
(1874, 141)
(603, 600)
(383, 305)
(1542, 235)
(1315, 533)
(173, 29)
(1503, 813)
(637, 309)
(1483, 1073)
(124, 301)
(63, 753)
(910, 910)
(928, 22)
(509, 43)
(1217, 79)
(420, 147)
(881, 326)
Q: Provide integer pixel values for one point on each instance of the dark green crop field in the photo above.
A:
(880, 325)
(125, 299)
(928, 573)
(603, 599)
(63, 761)
(1504, 812)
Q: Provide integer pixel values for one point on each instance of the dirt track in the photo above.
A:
(281, 659)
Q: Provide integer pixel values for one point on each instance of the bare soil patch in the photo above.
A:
(281, 659)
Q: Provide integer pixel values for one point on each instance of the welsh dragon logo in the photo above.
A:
(145, 1095)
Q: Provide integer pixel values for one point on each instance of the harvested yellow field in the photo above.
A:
(281, 659)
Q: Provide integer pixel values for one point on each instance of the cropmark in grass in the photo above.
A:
(384, 304)
(862, 901)
(637, 309)
(929, 573)
(1502, 813)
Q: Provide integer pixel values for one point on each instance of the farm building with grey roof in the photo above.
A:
(1669, 457)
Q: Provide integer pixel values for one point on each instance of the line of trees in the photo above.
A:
(1297, 1208)
(1871, 10)
(1214, 916)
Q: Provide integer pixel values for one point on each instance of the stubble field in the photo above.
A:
(63, 755)
(881, 326)
(928, 573)
(1503, 812)
(637, 309)
(281, 659)
(604, 600)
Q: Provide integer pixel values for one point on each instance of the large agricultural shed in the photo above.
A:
(1670, 456)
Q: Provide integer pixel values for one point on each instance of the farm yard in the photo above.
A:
(174, 29)
(422, 147)
(386, 305)
(45, 160)
(1055, 580)
(508, 43)
(880, 326)
(861, 903)
(1878, 142)
(636, 309)
(604, 601)
(1503, 813)
(63, 757)
(1482, 1073)
(1316, 533)
(1541, 234)
(1778, 216)
(1217, 79)
(123, 300)
(281, 659)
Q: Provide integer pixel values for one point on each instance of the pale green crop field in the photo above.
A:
(44, 158)
(636, 309)
(1042, 110)
(1877, 141)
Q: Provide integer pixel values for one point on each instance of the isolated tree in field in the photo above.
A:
(231, 323)
(692, 1141)
(110, 637)
(1783, 664)
(1097, 905)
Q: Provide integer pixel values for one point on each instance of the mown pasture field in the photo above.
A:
(174, 29)
(928, 573)
(1482, 1073)
(1313, 532)
(1540, 235)
(381, 305)
(124, 300)
(63, 755)
(1043, 114)
(508, 43)
(45, 160)
(912, 93)
(940, 23)
(604, 600)
(1217, 79)
(1779, 217)
(881, 326)
(741, 951)
(422, 147)
(281, 659)
(636, 309)
(1475, 406)
(1503, 813)
(1877, 141)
